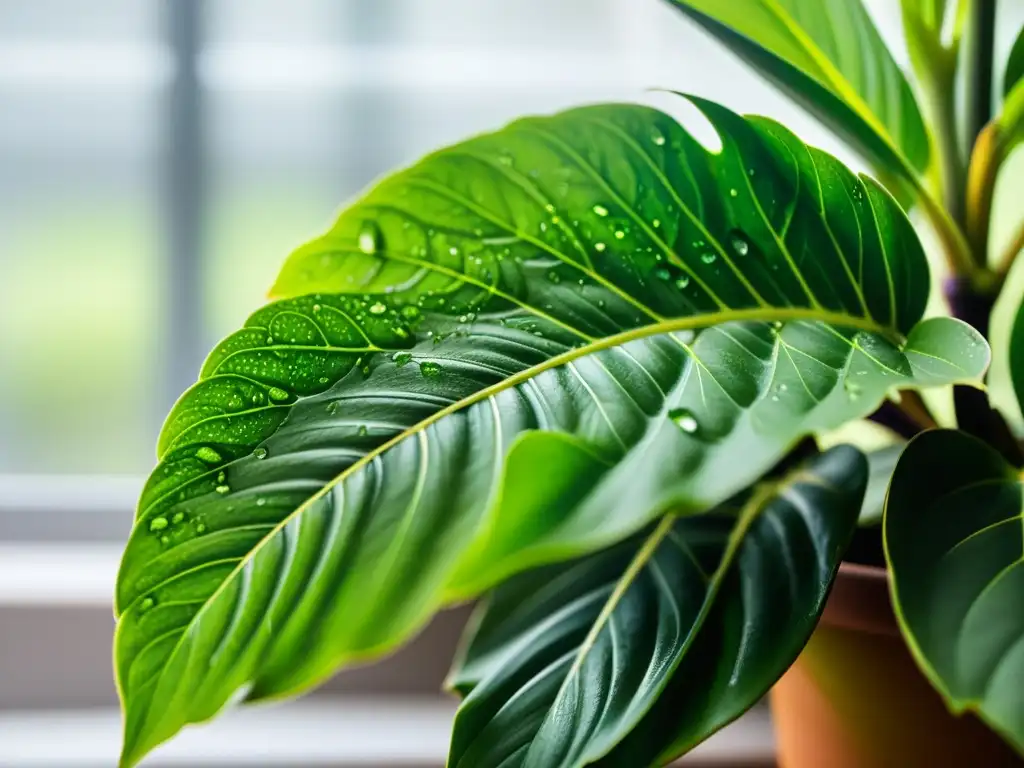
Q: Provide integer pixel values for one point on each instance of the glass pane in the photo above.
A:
(79, 243)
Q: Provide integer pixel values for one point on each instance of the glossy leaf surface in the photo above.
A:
(830, 56)
(954, 532)
(470, 374)
(674, 633)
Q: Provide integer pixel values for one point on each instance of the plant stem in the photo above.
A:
(986, 158)
(981, 45)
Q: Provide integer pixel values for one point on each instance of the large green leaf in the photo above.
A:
(566, 661)
(473, 374)
(829, 55)
(954, 534)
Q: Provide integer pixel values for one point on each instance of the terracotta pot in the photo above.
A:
(855, 697)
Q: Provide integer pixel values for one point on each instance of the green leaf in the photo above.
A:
(830, 57)
(1016, 355)
(954, 535)
(881, 464)
(675, 633)
(473, 371)
(1014, 72)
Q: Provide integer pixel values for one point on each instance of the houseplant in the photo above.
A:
(581, 365)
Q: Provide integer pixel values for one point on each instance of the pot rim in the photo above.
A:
(861, 601)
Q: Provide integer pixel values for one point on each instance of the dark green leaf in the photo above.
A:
(1014, 72)
(504, 336)
(1016, 349)
(828, 54)
(566, 661)
(954, 533)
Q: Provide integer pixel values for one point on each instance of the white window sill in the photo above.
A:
(359, 731)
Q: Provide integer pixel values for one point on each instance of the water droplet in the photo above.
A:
(599, 247)
(323, 379)
(146, 604)
(377, 308)
(178, 517)
(158, 523)
(682, 281)
(741, 246)
(619, 234)
(600, 210)
(454, 250)
(662, 274)
(401, 358)
(505, 159)
(277, 394)
(410, 312)
(260, 453)
(853, 389)
(733, 193)
(261, 502)
(658, 139)
(708, 257)
(222, 489)
(332, 407)
(430, 369)
(684, 419)
(316, 307)
(200, 528)
(553, 277)
(257, 398)
(165, 539)
(207, 454)
(369, 238)
(362, 431)
(656, 223)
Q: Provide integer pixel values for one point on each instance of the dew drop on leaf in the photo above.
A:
(260, 453)
(146, 604)
(178, 517)
(733, 192)
(708, 257)
(165, 540)
(362, 431)
(619, 234)
(377, 308)
(222, 489)
(401, 358)
(277, 394)
(853, 389)
(599, 246)
(682, 281)
(207, 454)
(684, 419)
(409, 312)
(369, 238)
(158, 523)
(658, 139)
(430, 369)
(201, 528)
(741, 246)
(662, 274)
(600, 210)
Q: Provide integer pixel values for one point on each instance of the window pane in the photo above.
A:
(79, 240)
